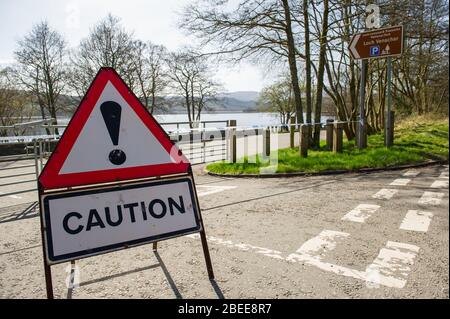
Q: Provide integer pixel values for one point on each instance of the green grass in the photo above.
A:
(415, 141)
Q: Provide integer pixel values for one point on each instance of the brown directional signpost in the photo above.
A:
(379, 43)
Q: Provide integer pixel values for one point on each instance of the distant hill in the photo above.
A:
(239, 101)
(247, 96)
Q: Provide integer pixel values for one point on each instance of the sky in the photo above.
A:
(150, 20)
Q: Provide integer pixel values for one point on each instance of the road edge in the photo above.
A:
(331, 172)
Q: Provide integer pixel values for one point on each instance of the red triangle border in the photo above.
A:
(50, 177)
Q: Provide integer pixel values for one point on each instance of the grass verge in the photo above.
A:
(416, 140)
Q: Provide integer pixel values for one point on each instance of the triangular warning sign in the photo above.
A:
(111, 137)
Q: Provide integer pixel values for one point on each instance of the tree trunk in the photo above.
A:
(307, 65)
(320, 74)
(293, 63)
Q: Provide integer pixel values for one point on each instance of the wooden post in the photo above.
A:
(304, 136)
(362, 130)
(292, 131)
(232, 149)
(329, 132)
(337, 137)
(266, 142)
(388, 125)
(390, 129)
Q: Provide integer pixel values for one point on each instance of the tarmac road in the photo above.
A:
(375, 235)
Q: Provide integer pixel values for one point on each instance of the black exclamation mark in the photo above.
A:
(111, 112)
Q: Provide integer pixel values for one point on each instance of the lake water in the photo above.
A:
(246, 120)
(242, 119)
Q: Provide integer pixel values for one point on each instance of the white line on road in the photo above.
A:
(400, 182)
(440, 184)
(212, 189)
(431, 198)
(385, 193)
(444, 175)
(11, 196)
(244, 247)
(390, 268)
(411, 173)
(416, 221)
(361, 212)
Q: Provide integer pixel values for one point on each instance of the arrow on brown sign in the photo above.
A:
(379, 43)
(352, 46)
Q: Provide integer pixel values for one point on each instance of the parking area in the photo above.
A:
(383, 234)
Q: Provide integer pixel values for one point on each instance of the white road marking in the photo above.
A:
(431, 198)
(439, 184)
(212, 189)
(361, 212)
(11, 196)
(385, 193)
(400, 182)
(244, 247)
(416, 221)
(392, 265)
(390, 268)
(444, 175)
(411, 173)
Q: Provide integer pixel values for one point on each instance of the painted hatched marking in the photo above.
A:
(444, 175)
(431, 198)
(361, 212)
(400, 182)
(416, 220)
(440, 184)
(385, 193)
(390, 268)
(411, 173)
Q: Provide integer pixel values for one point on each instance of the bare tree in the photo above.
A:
(323, 32)
(42, 66)
(253, 29)
(15, 104)
(279, 98)
(150, 71)
(190, 78)
(108, 45)
(319, 32)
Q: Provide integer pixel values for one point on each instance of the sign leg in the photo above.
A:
(155, 246)
(209, 267)
(47, 269)
(48, 281)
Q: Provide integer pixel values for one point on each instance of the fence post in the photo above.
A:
(292, 131)
(337, 137)
(304, 136)
(232, 149)
(266, 142)
(329, 133)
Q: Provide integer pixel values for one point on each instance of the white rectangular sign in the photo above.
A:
(90, 222)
